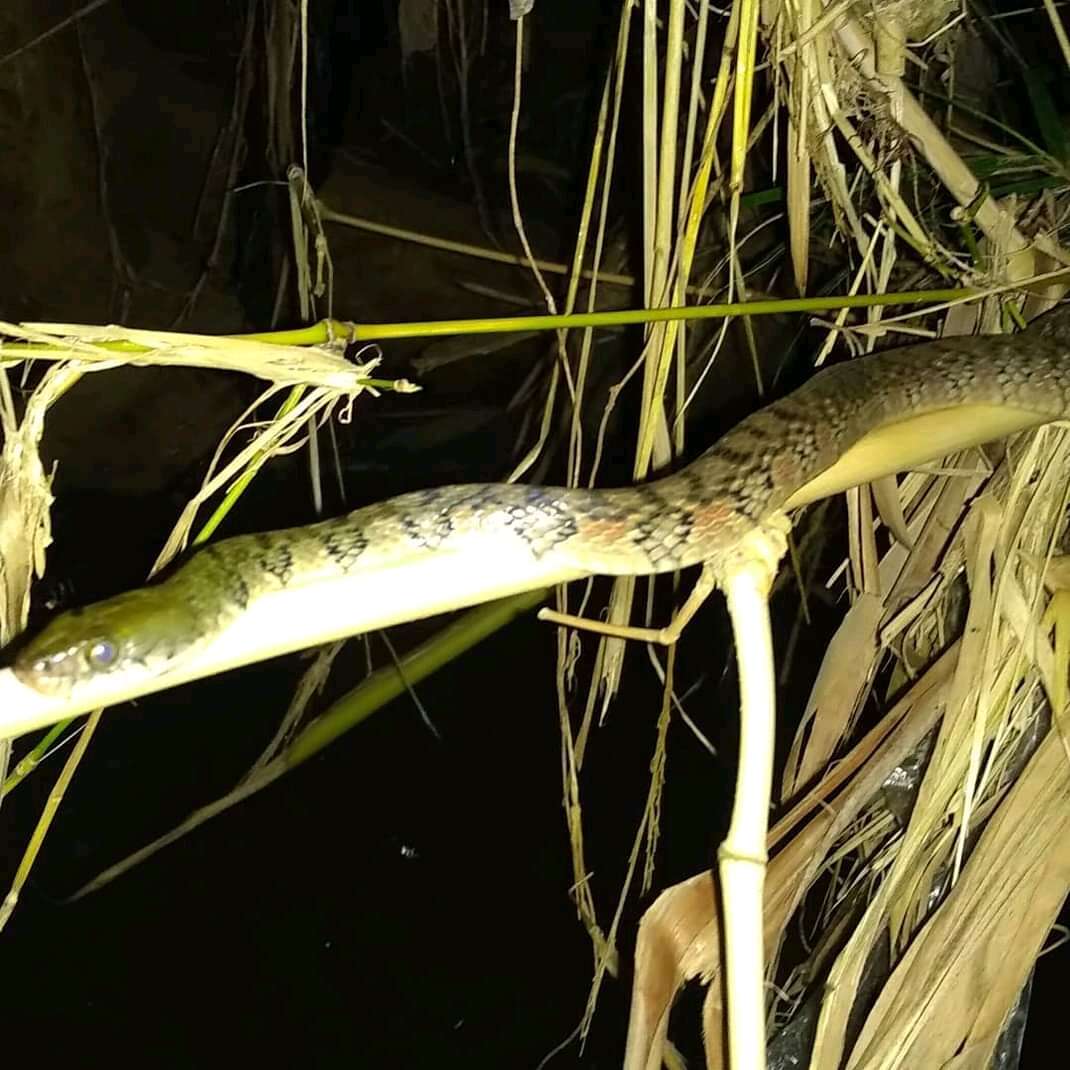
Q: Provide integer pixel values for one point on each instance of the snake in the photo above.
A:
(492, 538)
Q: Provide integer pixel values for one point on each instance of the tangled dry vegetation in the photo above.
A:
(900, 878)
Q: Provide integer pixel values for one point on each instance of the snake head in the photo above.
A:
(135, 635)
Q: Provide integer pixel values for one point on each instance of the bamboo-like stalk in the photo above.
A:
(741, 858)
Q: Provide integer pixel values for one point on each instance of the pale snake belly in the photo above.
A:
(695, 516)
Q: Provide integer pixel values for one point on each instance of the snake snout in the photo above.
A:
(133, 634)
(54, 667)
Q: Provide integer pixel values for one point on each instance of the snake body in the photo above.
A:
(695, 516)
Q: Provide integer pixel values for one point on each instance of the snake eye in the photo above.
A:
(102, 654)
